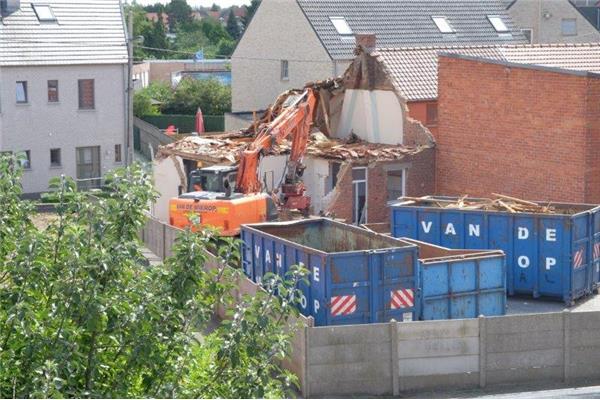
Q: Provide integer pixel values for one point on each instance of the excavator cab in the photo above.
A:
(218, 179)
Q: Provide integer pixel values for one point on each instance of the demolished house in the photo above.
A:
(363, 151)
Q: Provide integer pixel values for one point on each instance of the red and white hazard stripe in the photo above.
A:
(578, 259)
(402, 298)
(596, 251)
(343, 305)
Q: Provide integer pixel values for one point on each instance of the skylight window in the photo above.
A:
(44, 13)
(497, 23)
(442, 24)
(341, 26)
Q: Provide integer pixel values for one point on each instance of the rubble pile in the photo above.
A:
(500, 202)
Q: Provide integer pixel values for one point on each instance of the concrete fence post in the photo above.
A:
(164, 240)
(566, 344)
(306, 386)
(395, 370)
(482, 351)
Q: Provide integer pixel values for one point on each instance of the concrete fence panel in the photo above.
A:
(438, 353)
(350, 360)
(524, 348)
(170, 235)
(154, 236)
(583, 344)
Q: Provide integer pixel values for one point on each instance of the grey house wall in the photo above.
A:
(39, 126)
(544, 17)
(278, 31)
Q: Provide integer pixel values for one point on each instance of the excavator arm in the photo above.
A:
(295, 120)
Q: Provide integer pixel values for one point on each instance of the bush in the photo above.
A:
(213, 97)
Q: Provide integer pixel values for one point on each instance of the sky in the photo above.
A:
(194, 3)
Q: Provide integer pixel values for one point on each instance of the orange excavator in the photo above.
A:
(225, 197)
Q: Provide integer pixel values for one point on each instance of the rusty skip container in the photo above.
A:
(551, 255)
(356, 276)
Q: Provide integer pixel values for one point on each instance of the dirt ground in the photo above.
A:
(42, 220)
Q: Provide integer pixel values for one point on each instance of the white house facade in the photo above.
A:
(63, 80)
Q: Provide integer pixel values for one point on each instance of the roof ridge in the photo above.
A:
(483, 46)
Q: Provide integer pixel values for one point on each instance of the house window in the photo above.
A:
(359, 195)
(442, 24)
(118, 156)
(86, 94)
(341, 26)
(55, 158)
(26, 160)
(497, 23)
(44, 13)
(528, 33)
(52, 91)
(22, 92)
(285, 72)
(88, 167)
(568, 26)
(432, 114)
(396, 184)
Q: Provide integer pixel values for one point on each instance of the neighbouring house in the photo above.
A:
(414, 70)
(164, 18)
(522, 130)
(364, 149)
(290, 42)
(590, 10)
(552, 21)
(63, 98)
(171, 71)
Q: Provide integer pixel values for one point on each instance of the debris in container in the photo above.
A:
(501, 202)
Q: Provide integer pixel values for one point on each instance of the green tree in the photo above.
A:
(215, 7)
(142, 104)
(250, 11)
(82, 315)
(232, 25)
(157, 39)
(156, 7)
(179, 12)
(210, 95)
(225, 48)
(214, 31)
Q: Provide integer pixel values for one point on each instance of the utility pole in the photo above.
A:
(129, 145)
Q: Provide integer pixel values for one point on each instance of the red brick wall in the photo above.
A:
(419, 182)
(418, 111)
(592, 178)
(512, 130)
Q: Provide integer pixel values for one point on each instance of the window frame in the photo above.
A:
(79, 93)
(356, 220)
(59, 163)
(118, 153)
(428, 121)
(562, 29)
(285, 70)
(530, 30)
(404, 173)
(57, 92)
(498, 24)
(25, 92)
(439, 21)
(341, 25)
(37, 9)
(27, 165)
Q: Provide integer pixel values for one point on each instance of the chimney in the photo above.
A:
(9, 6)
(368, 41)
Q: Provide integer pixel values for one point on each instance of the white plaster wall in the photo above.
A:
(274, 167)
(315, 178)
(278, 31)
(373, 115)
(39, 126)
(166, 183)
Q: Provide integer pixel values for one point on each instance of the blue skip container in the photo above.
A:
(458, 284)
(548, 255)
(358, 276)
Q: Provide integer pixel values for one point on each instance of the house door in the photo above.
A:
(88, 167)
(359, 195)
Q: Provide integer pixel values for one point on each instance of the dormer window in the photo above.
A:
(341, 26)
(442, 24)
(497, 23)
(44, 13)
